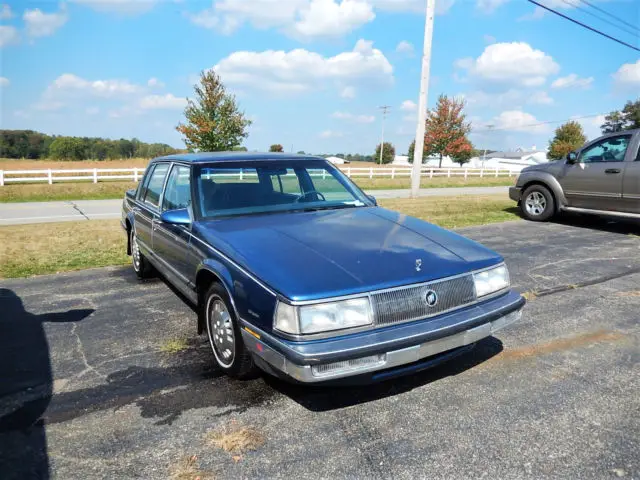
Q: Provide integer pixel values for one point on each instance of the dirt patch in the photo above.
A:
(236, 439)
(187, 469)
(635, 293)
(567, 343)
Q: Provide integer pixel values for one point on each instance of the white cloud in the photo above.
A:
(4, 82)
(572, 80)
(168, 102)
(518, 121)
(8, 35)
(153, 82)
(298, 18)
(591, 125)
(40, 24)
(348, 92)
(412, 6)
(327, 18)
(490, 5)
(539, 98)
(48, 105)
(69, 83)
(123, 7)
(330, 134)
(300, 70)
(405, 47)
(5, 12)
(511, 63)
(408, 106)
(628, 77)
(354, 118)
(489, 39)
(511, 98)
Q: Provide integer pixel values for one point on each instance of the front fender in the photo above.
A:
(527, 178)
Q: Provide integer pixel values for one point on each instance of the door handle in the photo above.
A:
(612, 170)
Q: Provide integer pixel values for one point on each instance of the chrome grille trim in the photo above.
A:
(408, 303)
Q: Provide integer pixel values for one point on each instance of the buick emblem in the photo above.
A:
(431, 298)
(418, 265)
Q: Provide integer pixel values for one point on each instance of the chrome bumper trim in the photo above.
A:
(395, 358)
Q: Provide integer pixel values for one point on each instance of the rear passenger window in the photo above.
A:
(156, 182)
(178, 192)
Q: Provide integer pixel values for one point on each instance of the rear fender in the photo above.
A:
(223, 276)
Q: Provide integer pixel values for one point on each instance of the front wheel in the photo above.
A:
(537, 204)
(224, 335)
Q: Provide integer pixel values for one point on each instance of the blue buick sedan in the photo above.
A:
(295, 271)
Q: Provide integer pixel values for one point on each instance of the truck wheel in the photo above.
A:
(140, 263)
(224, 335)
(537, 204)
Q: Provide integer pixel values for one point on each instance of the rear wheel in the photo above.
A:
(537, 204)
(140, 263)
(224, 335)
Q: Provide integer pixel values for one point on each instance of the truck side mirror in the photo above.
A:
(572, 157)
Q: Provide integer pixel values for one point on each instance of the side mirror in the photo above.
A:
(373, 199)
(572, 157)
(176, 217)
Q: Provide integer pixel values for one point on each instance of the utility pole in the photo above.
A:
(385, 109)
(422, 103)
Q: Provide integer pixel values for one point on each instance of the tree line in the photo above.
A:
(35, 145)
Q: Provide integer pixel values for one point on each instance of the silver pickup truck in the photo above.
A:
(602, 177)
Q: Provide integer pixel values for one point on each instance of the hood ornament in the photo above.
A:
(418, 265)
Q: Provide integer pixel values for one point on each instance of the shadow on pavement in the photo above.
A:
(596, 222)
(26, 386)
(320, 399)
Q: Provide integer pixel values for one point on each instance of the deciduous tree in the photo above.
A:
(276, 147)
(213, 120)
(631, 113)
(388, 153)
(568, 137)
(614, 122)
(446, 129)
(412, 149)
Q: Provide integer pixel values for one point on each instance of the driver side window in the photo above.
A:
(612, 149)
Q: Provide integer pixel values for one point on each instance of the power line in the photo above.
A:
(610, 15)
(566, 17)
(588, 12)
(490, 128)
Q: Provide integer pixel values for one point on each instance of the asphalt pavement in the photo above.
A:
(43, 212)
(90, 389)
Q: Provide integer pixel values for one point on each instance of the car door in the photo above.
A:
(631, 182)
(594, 181)
(148, 206)
(171, 242)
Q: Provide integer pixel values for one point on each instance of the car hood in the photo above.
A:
(311, 255)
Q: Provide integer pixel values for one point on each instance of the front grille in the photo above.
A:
(409, 303)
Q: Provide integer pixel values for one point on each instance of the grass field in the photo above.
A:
(27, 250)
(36, 192)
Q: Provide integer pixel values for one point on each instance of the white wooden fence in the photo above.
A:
(96, 175)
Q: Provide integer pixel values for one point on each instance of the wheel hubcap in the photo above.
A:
(135, 252)
(220, 331)
(535, 203)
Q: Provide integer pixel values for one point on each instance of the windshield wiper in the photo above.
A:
(327, 207)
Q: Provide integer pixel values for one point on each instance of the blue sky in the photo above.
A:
(312, 73)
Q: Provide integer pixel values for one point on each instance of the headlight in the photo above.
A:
(323, 317)
(491, 281)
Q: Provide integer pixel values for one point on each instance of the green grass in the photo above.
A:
(111, 190)
(27, 250)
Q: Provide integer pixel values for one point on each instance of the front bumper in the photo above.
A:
(386, 348)
(515, 193)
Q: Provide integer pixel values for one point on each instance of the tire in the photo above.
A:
(537, 204)
(140, 264)
(224, 335)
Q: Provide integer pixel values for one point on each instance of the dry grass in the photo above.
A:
(235, 439)
(38, 249)
(187, 469)
(21, 164)
(64, 191)
(174, 345)
(530, 296)
(456, 212)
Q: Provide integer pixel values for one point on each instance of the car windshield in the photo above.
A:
(268, 187)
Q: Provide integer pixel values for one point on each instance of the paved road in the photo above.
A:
(42, 212)
(553, 396)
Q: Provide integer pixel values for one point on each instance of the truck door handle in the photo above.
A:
(612, 170)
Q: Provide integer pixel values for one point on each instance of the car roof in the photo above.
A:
(208, 157)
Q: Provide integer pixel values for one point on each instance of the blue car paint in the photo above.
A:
(300, 256)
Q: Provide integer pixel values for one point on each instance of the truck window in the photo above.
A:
(612, 149)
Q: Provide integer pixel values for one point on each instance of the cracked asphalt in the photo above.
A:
(90, 390)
